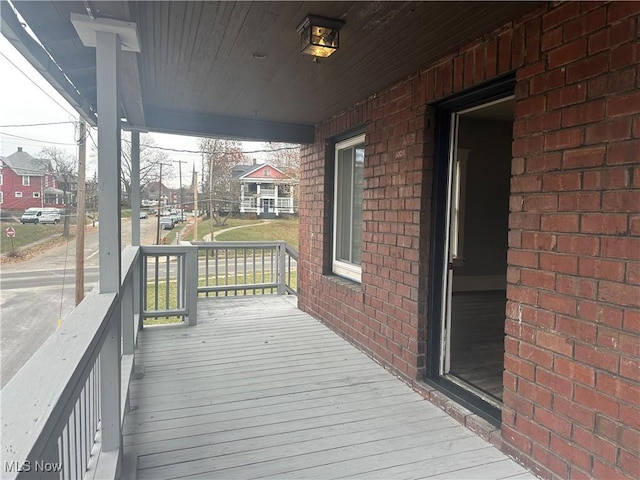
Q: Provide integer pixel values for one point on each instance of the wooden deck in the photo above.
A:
(259, 389)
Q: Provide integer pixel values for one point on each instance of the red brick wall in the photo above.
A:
(381, 314)
(571, 386)
(573, 319)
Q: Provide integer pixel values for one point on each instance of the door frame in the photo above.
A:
(494, 90)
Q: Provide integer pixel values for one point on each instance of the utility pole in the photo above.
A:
(195, 205)
(159, 207)
(80, 212)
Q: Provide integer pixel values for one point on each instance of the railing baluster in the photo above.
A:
(157, 273)
(255, 272)
(226, 270)
(73, 423)
(215, 267)
(262, 268)
(235, 270)
(179, 295)
(206, 269)
(87, 422)
(244, 262)
(66, 449)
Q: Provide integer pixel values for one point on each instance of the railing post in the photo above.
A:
(191, 284)
(142, 287)
(127, 317)
(282, 255)
(137, 286)
(110, 385)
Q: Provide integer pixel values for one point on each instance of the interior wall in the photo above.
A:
(488, 172)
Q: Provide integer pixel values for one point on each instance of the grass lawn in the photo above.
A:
(26, 234)
(205, 226)
(260, 230)
(273, 230)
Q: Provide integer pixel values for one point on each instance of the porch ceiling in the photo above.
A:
(234, 68)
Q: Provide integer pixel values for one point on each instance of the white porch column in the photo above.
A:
(135, 188)
(291, 198)
(107, 56)
(109, 36)
(242, 198)
(275, 202)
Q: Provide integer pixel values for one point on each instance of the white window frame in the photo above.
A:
(1, 178)
(26, 180)
(18, 194)
(1, 198)
(345, 269)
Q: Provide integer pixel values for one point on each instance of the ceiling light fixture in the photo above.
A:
(319, 36)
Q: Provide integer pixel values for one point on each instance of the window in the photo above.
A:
(36, 194)
(1, 198)
(347, 215)
(1, 179)
(26, 180)
(18, 194)
(267, 172)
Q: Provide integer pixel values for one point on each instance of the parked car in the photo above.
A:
(166, 223)
(50, 215)
(31, 215)
(41, 215)
(144, 215)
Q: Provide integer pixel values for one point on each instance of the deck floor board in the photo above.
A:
(258, 389)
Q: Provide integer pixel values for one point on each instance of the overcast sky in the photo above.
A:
(26, 99)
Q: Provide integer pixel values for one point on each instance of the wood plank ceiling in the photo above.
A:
(205, 65)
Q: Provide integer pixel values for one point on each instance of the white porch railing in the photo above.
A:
(282, 203)
(246, 268)
(56, 408)
(60, 408)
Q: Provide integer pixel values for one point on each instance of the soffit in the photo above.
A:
(210, 66)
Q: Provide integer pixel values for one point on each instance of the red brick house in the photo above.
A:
(484, 244)
(26, 182)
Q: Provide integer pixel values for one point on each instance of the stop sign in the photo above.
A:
(11, 232)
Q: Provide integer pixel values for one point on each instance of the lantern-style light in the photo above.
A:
(319, 36)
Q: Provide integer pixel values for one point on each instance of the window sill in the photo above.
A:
(345, 282)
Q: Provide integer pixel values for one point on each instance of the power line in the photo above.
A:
(38, 86)
(199, 152)
(91, 138)
(36, 140)
(37, 124)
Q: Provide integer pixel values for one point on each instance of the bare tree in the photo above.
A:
(150, 160)
(218, 159)
(286, 157)
(63, 167)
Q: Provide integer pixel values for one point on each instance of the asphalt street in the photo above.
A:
(35, 293)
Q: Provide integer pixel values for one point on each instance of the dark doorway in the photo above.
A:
(470, 262)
